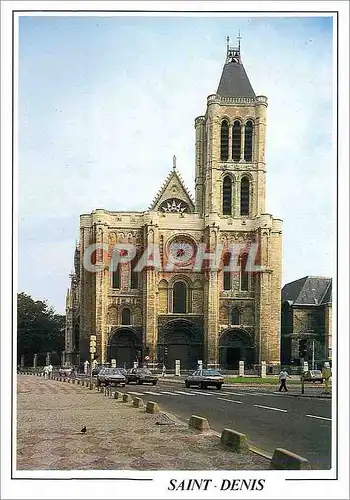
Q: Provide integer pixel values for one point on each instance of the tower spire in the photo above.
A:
(239, 38)
(174, 162)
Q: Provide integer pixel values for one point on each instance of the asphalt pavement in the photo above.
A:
(269, 419)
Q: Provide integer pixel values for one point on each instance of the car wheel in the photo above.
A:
(187, 384)
(218, 386)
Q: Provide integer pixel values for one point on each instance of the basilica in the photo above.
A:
(177, 306)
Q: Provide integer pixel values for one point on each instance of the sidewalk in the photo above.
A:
(50, 415)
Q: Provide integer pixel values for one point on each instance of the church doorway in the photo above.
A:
(183, 340)
(125, 347)
(235, 345)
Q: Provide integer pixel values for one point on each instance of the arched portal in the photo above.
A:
(235, 345)
(124, 345)
(183, 340)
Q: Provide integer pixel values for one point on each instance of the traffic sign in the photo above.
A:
(92, 343)
(92, 337)
(146, 358)
(92, 350)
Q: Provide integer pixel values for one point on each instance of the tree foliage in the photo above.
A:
(39, 330)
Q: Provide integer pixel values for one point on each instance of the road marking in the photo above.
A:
(137, 393)
(230, 400)
(194, 393)
(321, 418)
(270, 408)
(153, 393)
(186, 393)
(167, 392)
(237, 394)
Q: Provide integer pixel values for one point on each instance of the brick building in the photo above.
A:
(174, 311)
(306, 321)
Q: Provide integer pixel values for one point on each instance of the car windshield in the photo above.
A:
(116, 371)
(144, 371)
(210, 373)
(315, 372)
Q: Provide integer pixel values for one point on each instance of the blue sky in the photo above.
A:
(105, 102)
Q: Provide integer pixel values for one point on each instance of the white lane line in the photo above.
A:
(167, 392)
(136, 393)
(185, 393)
(237, 394)
(230, 400)
(321, 418)
(271, 408)
(153, 393)
(202, 393)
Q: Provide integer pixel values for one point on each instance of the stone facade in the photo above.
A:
(306, 321)
(174, 311)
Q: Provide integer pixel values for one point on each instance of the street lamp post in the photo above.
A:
(92, 355)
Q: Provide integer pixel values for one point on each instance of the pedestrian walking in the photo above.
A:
(163, 371)
(282, 377)
(49, 371)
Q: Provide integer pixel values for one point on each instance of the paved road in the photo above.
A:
(270, 420)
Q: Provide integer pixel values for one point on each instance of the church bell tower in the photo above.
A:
(230, 146)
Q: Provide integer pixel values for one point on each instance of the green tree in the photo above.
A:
(39, 330)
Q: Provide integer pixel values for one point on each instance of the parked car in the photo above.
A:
(66, 371)
(113, 376)
(141, 375)
(313, 376)
(102, 374)
(124, 371)
(205, 378)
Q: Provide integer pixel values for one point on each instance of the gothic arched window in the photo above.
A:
(227, 196)
(236, 141)
(248, 141)
(224, 141)
(227, 281)
(244, 273)
(235, 317)
(180, 297)
(126, 317)
(245, 187)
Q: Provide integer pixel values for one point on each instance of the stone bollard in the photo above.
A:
(198, 423)
(78, 382)
(237, 441)
(152, 407)
(126, 398)
(284, 459)
(138, 403)
(73, 380)
(118, 395)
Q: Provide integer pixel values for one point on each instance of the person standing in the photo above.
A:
(282, 377)
(49, 371)
(163, 371)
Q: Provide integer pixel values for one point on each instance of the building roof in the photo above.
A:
(310, 290)
(173, 191)
(234, 81)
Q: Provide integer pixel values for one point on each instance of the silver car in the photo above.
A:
(205, 378)
(101, 376)
(114, 377)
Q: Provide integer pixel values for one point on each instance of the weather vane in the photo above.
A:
(174, 162)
